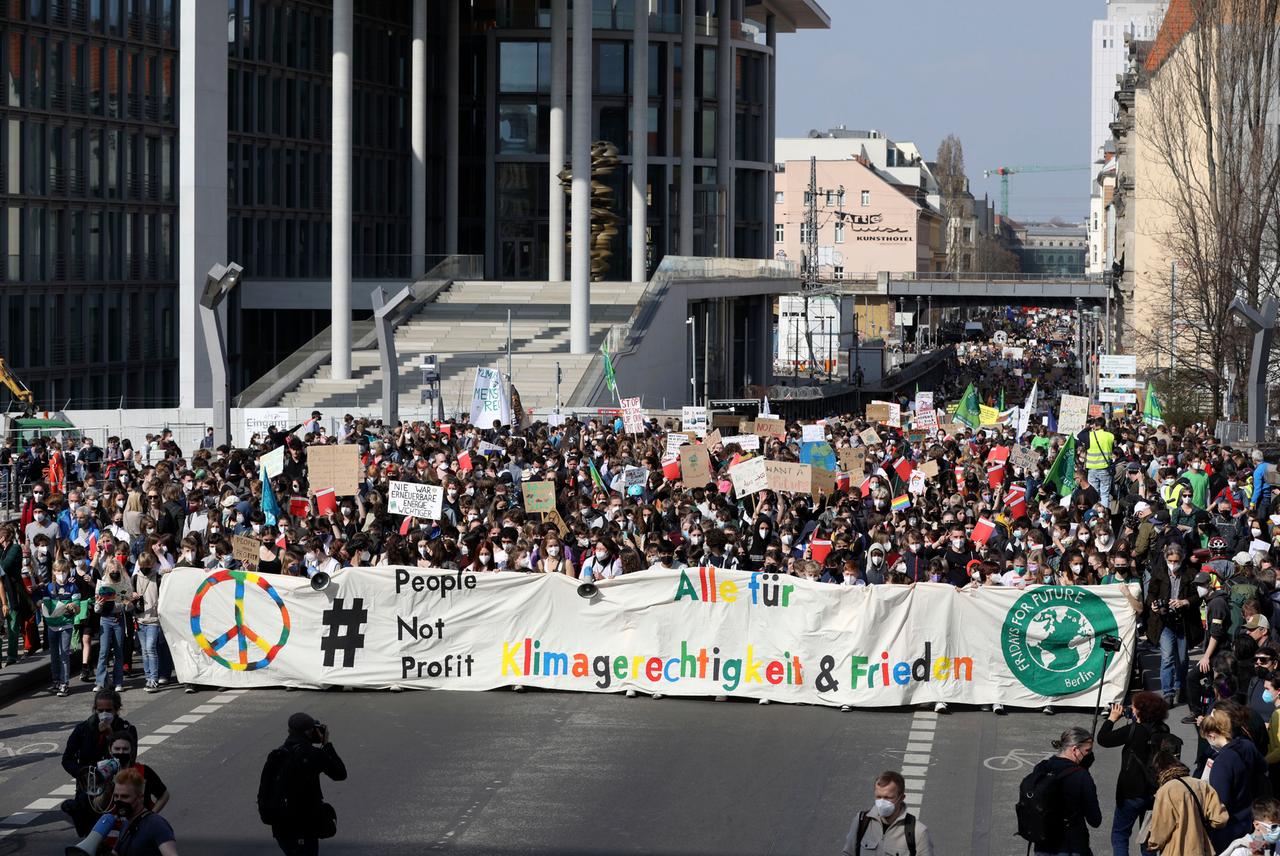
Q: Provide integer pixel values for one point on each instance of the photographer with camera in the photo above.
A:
(89, 743)
(145, 833)
(1173, 616)
(289, 796)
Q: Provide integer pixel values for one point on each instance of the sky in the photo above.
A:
(1010, 78)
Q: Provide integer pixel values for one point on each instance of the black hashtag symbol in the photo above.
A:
(344, 631)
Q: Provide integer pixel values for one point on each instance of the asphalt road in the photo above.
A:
(502, 773)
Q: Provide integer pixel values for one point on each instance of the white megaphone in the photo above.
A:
(97, 776)
(319, 579)
(89, 846)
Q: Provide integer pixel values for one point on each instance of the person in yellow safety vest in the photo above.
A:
(1098, 459)
(1171, 488)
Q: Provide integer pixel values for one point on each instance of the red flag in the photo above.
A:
(983, 530)
(404, 527)
(282, 542)
(464, 461)
(865, 487)
(326, 501)
(1016, 501)
(843, 481)
(903, 468)
(960, 479)
(998, 454)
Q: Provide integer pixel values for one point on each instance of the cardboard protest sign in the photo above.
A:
(554, 516)
(771, 427)
(853, 460)
(245, 550)
(929, 469)
(337, 467)
(713, 439)
(1024, 457)
(878, 411)
(746, 426)
(1073, 414)
(415, 500)
(786, 476)
(926, 420)
(818, 454)
(539, 496)
(821, 481)
(924, 401)
(695, 465)
(870, 437)
(694, 419)
(749, 477)
(892, 413)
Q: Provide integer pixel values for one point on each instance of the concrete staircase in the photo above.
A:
(466, 327)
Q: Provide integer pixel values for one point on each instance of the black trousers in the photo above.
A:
(292, 844)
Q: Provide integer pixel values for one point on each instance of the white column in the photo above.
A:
(452, 59)
(639, 140)
(580, 240)
(418, 140)
(688, 110)
(202, 183)
(555, 151)
(340, 181)
(727, 114)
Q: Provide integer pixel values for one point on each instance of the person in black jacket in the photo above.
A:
(1134, 791)
(307, 752)
(89, 743)
(1173, 617)
(1077, 797)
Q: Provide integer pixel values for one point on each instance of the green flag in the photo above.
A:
(1152, 412)
(968, 411)
(1001, 407)
(1063, 471)
(609, 379)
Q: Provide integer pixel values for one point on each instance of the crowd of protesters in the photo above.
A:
(1185, 524)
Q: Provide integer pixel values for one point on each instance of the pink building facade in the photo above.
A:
(865, 223)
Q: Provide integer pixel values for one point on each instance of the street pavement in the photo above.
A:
(501, 773)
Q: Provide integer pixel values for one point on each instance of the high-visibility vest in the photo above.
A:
(1098, 456)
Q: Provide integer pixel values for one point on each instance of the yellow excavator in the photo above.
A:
(17, 389)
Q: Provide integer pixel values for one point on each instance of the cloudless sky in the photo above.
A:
(1010, 78)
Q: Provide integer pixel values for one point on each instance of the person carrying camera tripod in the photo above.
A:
(289, 797)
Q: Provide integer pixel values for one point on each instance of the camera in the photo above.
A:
(1110, 643)
(1160, 605)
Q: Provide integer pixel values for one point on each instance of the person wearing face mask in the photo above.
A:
(887, 828)
(956, 557)
(145, 833)
(603, 563)
(60, 604)
(1197, 480)
(1075, 799)
(916, 558)
(1172, 608)
(875, 570)
(41, 524)
(124, 749)
(89, 743)
(113, 600)
(761, 539)
(483, 561)
(1185, 809)
(1239, 772)
(146, 584)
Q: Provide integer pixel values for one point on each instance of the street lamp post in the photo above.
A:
(219, 282)
(382, 309)
(693, 358)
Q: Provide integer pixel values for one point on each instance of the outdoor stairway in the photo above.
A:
(466, 327)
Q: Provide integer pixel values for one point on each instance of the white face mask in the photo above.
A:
(877, 559)
(1075, 569)
(764, 533)
(957, 543)
(601, 555)
(553, 550)
(914, 546)
(1203, 591)
(60, 579)
(883, 808)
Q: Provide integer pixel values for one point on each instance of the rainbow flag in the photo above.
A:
(901, 503)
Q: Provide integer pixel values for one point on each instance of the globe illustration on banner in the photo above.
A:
(1059, 638)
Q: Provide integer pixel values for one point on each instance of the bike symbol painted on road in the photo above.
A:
(240, 631)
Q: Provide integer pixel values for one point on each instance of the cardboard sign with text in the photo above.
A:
(713, 439)
(1024, 457)
(813, 433)
(870, 437)
(676, 439)
(539, 496)
(244, 550)
(771, 427)
(337, 467)
(746, 442)
(632, 416)
(695, 466)
(1073, 414)
(853, 460)
(929, 469)
(878, 412)
(749, 477)
(554, 516)
(415, 500)
(786, 476)
(821, 481)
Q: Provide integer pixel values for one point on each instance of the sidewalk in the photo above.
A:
(33, 671)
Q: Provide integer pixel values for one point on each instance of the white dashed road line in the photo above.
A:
(53, 802)
(915, 761)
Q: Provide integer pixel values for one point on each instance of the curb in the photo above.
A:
(31, 671)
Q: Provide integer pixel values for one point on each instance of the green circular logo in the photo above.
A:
(1050, 639)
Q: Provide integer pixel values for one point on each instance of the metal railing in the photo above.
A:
(302, 363)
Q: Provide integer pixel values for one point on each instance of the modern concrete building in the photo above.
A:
(1139, 19)
(333, 146)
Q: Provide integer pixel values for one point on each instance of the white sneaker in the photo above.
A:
(631, 693)
(657, 695)
(162, 681)
(997, 709)
(119, 688)
(940, 707)
(764, 701)
(844, 708)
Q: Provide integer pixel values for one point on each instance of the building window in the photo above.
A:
(804, 233)
(838, 271)
(779, 233)
(777, 197)
(866, 198)
(831, 197)
(840, 232)
(968, 234)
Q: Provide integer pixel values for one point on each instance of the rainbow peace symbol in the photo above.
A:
(240, 631)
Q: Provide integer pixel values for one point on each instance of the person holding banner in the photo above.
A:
(553, 557)
(604, 563)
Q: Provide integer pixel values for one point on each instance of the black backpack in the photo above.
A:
(273, 786)
(908, 826)
(1039, 817)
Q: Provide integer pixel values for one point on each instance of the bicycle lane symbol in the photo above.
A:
(1014, 761)
(240, 630)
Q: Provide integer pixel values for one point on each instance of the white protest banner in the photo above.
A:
(746, 442)
(694, 419)
(697, 632)
(415, 500)
(258, 419)
(486, 448)
(676, 439)
(632, 416)
(813, 433)
(748, 477)
(924, 401)
(635, 477)
(272, 463)
(489, 400)
(926, 420)
(1073, 414)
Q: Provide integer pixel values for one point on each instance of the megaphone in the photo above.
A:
(89, 846)
(319, 579)
(97, 776)
(588, 590)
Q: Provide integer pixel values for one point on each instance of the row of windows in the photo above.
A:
(73, 245)
(50, 159)
(87, 78)
(832, 198)
(66, 328)
(139, 20)
(275, 247)
(94, 387)
(267, 176)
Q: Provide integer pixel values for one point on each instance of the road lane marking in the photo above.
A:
(915, 760)
(44, 804)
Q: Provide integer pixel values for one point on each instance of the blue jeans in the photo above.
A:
(150, 638)
(1100, 480)
(1126, 817)
(1173, 660)
(111, 641)
(60, 654)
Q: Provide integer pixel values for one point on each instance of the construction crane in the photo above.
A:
(18, 389)
(1005, 171)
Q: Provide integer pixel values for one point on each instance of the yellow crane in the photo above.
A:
(17, 389)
